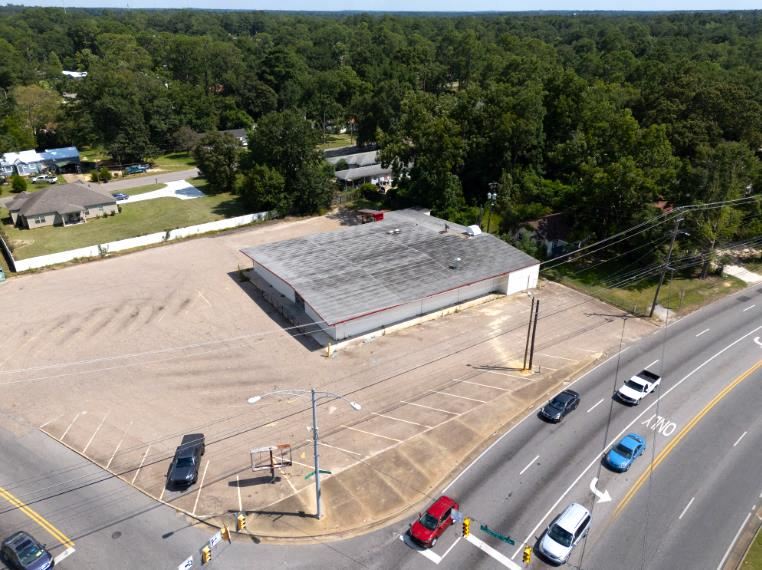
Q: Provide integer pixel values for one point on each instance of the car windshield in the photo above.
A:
(635, 385)
(29, 552)
(624, 451)
(185, 462)
(429, 522)
(561, 536)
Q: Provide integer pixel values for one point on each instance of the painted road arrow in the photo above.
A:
(756, 339)
(602, 497)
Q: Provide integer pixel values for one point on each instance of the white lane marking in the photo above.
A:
(238, 486)
(740, 438)
(399, 420)
(435, 558)
(456, 396)
(451, 547)
(531, 413)
(337, 448)
(748, 308)
(598, 455)
(702, 332)
(484, 385)
(118, 445)
(650, 365)
(371, 433)
(65, 554)
(733, 542)
(51, 421)
(200, 486)
(528, 465)
(140, 466)
(92, 437)
(497, 556)
(685, 510)
(595, 406)
(430, 408)
(71, 424)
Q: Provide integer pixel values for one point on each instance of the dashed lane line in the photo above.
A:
(595, 406)
(740, 438)
(702, 332)
(749, 308)
(685, 510)
(528, 465)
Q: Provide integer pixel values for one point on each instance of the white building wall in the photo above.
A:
(277, 283)
(523, 279)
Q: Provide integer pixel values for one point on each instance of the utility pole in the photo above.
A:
(316, 453)
(534, 333)
(666, 264)
(529, 333)
(491, 198)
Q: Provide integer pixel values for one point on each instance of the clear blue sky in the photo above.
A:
(413, 5)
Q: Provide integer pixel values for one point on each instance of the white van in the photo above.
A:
(564, 533)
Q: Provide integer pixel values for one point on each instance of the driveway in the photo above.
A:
(150, 178)
(177, 189)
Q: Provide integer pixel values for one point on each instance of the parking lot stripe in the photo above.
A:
(290, 484)
(371, 433)
(497, 556)
(484, 385)
(399, 420)
(71, 424)
(505, 374)
(200, 486)
(456, 396)
(161, 497)
(118, 445)
(338, 448)
(556, 356)
(92, 437)
(51, 421)
(140, 466)
(430, 408)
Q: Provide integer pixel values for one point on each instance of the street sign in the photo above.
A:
(187, 564)
(456, 515)
(497, 535)
(215, 540)
(324, 471)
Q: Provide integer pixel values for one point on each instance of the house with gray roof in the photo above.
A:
(60, 206)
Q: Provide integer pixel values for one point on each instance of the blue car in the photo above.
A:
(22, 551)
(120, 196)
(621, 456)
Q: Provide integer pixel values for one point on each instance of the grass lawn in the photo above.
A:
(681, 295)
(174, 161)
(143, 189)
(753, 560)
(93, 153)
(134, 220)
(336, 141)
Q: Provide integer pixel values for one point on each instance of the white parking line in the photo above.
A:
(749, 308)
(654, 362)
(702, 332)
(92, 437)
(505, 374)
(118, 445)
(399, 420)
(740, 438)
(200, 486)
(556, 356)
(528, 465)
(497, 556)
(733, 542)
(140, 466)
(456, 396)
(71, 424)
(430, 408)
(338, 448)
(161, 497)
(51, 421)
(594, 406)
(290, 484)
(371, 433)
(65, 554)
(484, 385)
(685, 510)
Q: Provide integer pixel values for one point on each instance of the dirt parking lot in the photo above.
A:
(119, 358)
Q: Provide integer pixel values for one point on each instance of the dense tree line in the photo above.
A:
(595, 115)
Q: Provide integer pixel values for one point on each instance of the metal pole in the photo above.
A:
(529, 332)
(664, 268)
(489, 215)
(534, 333)
(315, 452)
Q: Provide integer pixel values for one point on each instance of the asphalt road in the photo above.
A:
(702, 427)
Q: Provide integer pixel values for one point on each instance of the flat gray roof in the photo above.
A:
(352, 272)
(363, 172)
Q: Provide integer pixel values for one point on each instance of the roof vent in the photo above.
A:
(455, 263)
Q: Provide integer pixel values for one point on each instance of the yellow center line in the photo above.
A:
(36, 517)
(671, 445)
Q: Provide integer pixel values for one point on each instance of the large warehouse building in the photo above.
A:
(364, 278)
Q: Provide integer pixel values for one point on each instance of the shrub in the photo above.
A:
(18, 184)
(104, 174)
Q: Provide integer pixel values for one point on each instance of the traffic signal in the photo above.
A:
(225, 532)
(527, 558)
(206, 554)
(241, 521)
(466, 527)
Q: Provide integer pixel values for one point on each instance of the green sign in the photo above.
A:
(311, 473)
(497, 535)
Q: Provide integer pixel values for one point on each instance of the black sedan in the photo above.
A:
(21, 550)
(559, 406)
(183, 471)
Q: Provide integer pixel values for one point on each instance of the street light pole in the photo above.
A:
(491, 198)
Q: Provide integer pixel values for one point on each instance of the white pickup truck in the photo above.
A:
(638, 387)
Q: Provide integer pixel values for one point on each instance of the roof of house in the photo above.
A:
(552, 227)
(363, 172)
(59, 154)
(63, 199)
(347, 150)
(237, 133)
(357, 159)
(363, 269)
(24, 156)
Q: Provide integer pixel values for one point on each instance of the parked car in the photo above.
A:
(621, 456)
(22, 551)
(562, 404)
(136, 169)
(45, 178)
(638, 387)
(564, 533)
(120, 196)
(183, 471)
(431, 524)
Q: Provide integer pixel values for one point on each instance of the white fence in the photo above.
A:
(103, 249)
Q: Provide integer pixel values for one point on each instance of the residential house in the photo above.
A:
(551, 232)
(60, 206)
(238, 134)
(31, 162)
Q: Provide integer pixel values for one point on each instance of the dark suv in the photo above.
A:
(183, 471)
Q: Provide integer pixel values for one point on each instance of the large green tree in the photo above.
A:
(217, 157)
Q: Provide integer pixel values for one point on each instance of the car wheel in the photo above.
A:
(433, 542)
